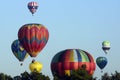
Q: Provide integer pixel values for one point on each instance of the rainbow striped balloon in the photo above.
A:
(72, 59)
(33, 38)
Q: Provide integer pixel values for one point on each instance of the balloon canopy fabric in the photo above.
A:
(32, 6)
(33, 38)
(106, 46)
(101, 62)
(72, 59)
(19, 52)
(35, 66)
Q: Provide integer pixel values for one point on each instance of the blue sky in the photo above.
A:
(82, 24)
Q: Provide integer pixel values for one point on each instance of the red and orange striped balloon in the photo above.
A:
(33, 38)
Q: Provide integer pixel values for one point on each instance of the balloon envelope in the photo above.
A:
(72, 59)
(32, 6)
(101, 62)
(35, 66)
(106, 46)
(19, 52)
(33, 38)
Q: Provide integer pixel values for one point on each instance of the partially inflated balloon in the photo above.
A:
(72, 59)
(33, 38)
(19, 52)
(32, 6)
(106, 46)
(35, 66)
(101, 62)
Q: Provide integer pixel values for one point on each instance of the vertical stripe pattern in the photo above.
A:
(71, 59)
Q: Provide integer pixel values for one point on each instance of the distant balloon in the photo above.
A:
(33, 38)
(35, 66)
(72, 59)
(101, 62)
(19, 52)
(106, 46)
(32, 6)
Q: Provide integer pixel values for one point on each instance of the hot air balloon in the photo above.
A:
(106, 46)
(101, 62)
(19, 52)
(32, 6)
(35, 66)
(72, 59)
(33, 38)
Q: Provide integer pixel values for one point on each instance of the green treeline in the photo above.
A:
(80, 74)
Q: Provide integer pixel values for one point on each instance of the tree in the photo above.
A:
(25, 76)
(80, 74)
(5, 77)
(33, 76)
(115, 76)
(106, 77)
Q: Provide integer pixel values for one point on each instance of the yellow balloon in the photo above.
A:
(35, 66)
